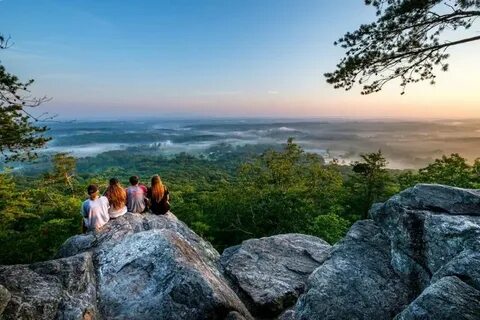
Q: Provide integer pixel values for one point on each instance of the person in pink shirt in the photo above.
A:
(136, 196)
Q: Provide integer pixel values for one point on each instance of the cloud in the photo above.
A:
(273, 92)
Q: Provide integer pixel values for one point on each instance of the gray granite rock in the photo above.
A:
(448, 298)
(157, 274)
(465, 266)
(130, 223)
(270, 273)
(440, 199)
(56, 289)
(429, 225)
(5, 297)
(356, 281)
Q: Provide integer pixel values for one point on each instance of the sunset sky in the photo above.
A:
(223, 58)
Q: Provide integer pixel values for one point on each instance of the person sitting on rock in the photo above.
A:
(94, 210)
(136, 196)
(117, 198)
(158, 196)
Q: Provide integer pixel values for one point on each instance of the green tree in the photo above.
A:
(407, 42)
(330, 227)
(452, 170)
(19, 135)
(278, 192)
(36, 215)
(369, 182)
(63, 174)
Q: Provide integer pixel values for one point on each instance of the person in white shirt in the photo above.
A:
(117, 198)
(94, 210)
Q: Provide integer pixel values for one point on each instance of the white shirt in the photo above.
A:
(115, 213)
(95, 212)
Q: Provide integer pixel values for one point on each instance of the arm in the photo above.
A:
(84, 213)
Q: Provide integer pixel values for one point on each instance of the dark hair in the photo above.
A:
(114, 181)
(133, 180)
(91, 189)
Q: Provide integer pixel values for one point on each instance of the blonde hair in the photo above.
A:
(157, 187)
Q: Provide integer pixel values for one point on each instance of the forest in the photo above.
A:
(231, 194)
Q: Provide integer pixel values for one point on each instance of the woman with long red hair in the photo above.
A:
(159, 196)
(117, 197)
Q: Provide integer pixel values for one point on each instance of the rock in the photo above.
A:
(448, 298)
(465, 266)
(270, 273)
(428, 225)
(157, 274)
(356, 281)
(56, 289)
(418, 259)
(137, 267)
(287, 315)
(440, 199)
(5, 297)
(116, 230)
(234, 316)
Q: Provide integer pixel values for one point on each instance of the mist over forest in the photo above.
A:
(405, 144)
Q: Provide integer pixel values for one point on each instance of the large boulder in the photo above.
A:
(429, 225)
(116, 230)
(356, 281)
(140, 267)
(156, 274)
(440, 199)
(270, 273)
(56, 289)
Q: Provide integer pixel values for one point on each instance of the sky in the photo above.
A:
(211, 58)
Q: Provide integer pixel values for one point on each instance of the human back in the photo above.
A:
(95, 210)
(136, 196)
(159, 196)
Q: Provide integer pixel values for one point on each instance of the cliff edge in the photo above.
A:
(418, 258)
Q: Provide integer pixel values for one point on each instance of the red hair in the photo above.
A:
(115, 194)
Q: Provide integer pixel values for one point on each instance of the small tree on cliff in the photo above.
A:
(19, 136)
(369, 182)
(406, 42)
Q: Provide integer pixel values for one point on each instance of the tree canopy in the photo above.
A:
(19, 135)
(407, 42)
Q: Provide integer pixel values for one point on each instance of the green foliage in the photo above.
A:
(369, 182)
(452, 170)
(19, 136)
(407, 42)
(330, 227)
(36, 216)
(277, 192)
(281, 190)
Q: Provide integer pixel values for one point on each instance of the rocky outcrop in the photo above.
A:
(270, 273)
(139, 267)
(428, 225)
(356, 281)
(419, 258)
(57, 289)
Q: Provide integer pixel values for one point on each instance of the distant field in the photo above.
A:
(406, 144)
